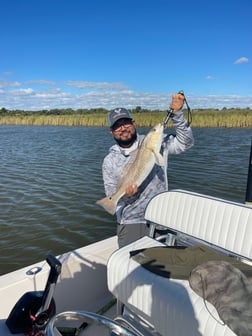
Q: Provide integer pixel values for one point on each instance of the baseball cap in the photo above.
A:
(118, 113)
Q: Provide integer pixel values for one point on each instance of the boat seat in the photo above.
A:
(169, 305)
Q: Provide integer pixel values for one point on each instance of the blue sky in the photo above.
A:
(98, 53)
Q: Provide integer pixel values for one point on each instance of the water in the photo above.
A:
(51, 178)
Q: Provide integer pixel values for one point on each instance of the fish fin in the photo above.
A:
(159, 159)
(108, 203)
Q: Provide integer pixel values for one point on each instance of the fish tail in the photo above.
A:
(108, 203)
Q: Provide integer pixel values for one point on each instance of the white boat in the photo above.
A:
(101, 284)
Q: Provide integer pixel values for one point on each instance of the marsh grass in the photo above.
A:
(200, 118)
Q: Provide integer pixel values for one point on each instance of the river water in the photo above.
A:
(50, 178)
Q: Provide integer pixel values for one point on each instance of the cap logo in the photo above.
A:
(117, 111)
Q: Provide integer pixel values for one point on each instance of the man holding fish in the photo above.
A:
(135, 168)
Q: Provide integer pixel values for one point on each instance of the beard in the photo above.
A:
(128, 142)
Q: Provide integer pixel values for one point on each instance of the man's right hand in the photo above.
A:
(131, 189)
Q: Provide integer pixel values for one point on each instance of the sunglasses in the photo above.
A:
(125, 123)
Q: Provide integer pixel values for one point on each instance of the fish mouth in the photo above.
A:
(160, 126)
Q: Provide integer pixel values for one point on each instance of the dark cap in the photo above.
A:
(116, 114)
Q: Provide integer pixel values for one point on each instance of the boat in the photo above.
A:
(90, 278)
(99, 289)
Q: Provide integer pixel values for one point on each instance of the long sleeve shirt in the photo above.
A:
(130, 210)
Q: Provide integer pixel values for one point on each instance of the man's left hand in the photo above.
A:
(177, 102)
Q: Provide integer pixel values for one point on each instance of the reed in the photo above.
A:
(201, 118)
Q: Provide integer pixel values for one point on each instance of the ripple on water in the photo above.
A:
(51, 178)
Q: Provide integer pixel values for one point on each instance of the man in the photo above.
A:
(130, 209)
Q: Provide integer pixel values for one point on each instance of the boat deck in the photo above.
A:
(82, 285)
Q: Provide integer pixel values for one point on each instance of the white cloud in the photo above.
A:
(28, 99)
(6, 83)
(7, 73)
(105, 95)
(96, 85)
(241, 60)
(209, 77)
(19, 92)
(40, 82)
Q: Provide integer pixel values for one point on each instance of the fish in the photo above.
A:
(146, 156)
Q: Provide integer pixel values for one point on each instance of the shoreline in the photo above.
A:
(201, 119)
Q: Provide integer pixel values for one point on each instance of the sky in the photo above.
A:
(125, 53)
